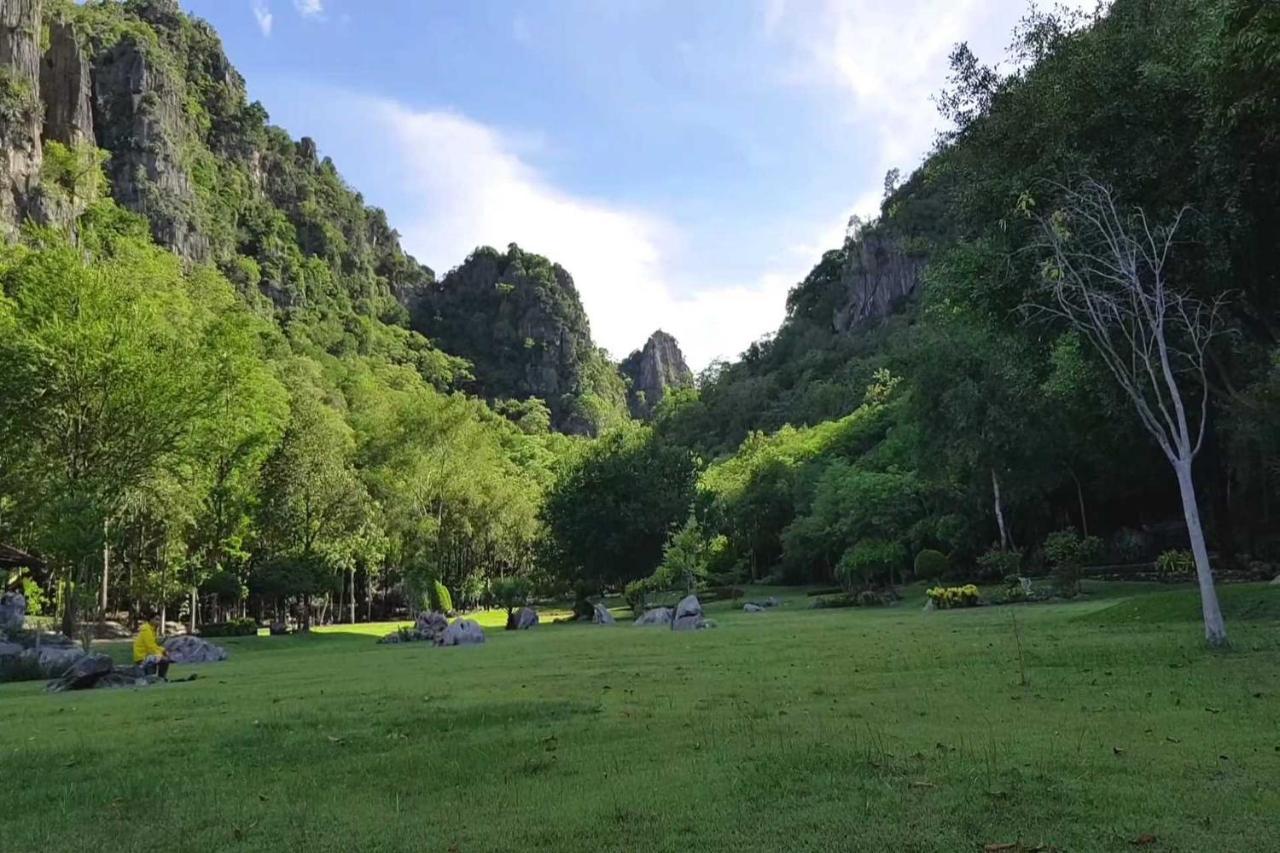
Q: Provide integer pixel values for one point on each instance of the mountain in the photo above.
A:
(652, 371)
(517, 318)
(148, 93)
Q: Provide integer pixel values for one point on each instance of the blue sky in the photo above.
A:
(686, 160)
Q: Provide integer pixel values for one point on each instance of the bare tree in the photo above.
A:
(1106, 275)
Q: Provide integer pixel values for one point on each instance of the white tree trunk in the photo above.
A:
(1215, 630)
(995, 489)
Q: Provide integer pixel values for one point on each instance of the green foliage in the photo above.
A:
(871, 562)
(997, 564)
(511, 593)
(610, 509)
(1068, 552)
(931, 564)
(233, 628)
(73, 174)
(438, 597)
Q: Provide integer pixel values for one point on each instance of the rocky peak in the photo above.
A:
(878, 278)
(66, 87)
(20, 111)
(652, 370)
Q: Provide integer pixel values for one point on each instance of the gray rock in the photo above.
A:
(929, 606)
(10, 650)
(279, 629)
(525, 618)
(189, 649)
(752, 608)
(654, 370)
(602, 616)
(773, 601)
(1275, 581)
(656, 616)
(463, 632)
(430, 626)
(84, 674)
(13, 612)
(688, 606)
(53, 661)
(688, 615)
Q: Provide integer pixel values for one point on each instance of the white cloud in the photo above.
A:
(888, 59)
(309, 8)
(263, 16)
(475, 189)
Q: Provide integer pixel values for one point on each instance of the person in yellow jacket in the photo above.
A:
(147, 653)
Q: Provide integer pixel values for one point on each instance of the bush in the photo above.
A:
(1175, 564)
(931, 564)
(438, 597)
(997, 564)
(510, 593)
(869, 562)
(1068, 552)
(637, 593)
(950, 597)
(232, 628)
(865, 598)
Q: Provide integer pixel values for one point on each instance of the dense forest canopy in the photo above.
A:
(225, 388)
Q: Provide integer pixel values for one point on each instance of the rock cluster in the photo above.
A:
(434, 628)
(95, 672)
(190, 649)
(656, 616)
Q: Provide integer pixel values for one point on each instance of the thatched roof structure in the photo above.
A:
(12, 558)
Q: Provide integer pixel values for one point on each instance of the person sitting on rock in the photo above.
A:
(148, 655)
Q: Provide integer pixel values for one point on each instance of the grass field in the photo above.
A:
(878, 730)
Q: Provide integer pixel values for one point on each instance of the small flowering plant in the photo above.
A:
(947, 597)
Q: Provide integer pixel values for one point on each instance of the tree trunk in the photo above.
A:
(351, 615)
(1084, 518)
(195, 602)
(995, 490)
(106, 572)
(1215, 630)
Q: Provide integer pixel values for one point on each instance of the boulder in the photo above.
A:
(430, 626)
(53, 661)
(773, 601)
(752, 608)
(110, 631)
(13, 612)
(279, 629)
(602, 616)
(688, 615)
(84, 674)
(190, 649)
(524, 619)
(9, 650)
(463, 632)
(656, 616)
(1275, 581)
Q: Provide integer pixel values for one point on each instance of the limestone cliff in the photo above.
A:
(878, 277)
(652, 371)
(20, 110)
(517, 318)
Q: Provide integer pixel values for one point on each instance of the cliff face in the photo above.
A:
(517, 318)
(20, 110)
(878, 277)
(153, 89)
(652, 371)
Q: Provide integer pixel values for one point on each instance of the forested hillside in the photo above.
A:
(225, 388)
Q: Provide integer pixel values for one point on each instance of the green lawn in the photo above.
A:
(879, 730)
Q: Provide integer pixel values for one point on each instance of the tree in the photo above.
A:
(99, 384)
(1107, 276)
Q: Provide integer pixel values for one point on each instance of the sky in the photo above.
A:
(688, 161)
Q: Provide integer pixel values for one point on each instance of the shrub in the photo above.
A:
(949, 597)
(1068, 552)
(582, 606)
(868, 562)
(931, 564)
(1175, 564)
(510, 593)
(20, 668)
(231, 628)
(997, 564)
(438, 597)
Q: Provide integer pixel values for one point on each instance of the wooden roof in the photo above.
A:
(12, 558)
